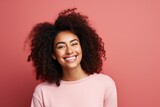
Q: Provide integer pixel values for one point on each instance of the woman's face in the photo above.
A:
(67, 50)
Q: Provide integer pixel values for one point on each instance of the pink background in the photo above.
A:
(129, 28)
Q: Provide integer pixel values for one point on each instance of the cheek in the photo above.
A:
(59, 53)
(79, 50)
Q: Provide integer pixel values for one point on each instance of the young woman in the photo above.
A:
(67, 57)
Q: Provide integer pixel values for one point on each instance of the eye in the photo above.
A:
(74, 44)
(60, 46)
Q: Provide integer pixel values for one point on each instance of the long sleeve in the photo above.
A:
(111, 99)
(35, 102)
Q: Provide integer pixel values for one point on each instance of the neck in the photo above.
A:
(73, 74)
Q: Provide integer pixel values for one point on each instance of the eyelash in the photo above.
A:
(74, 44)
(60, 47)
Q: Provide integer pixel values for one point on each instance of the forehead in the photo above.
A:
(65, 36)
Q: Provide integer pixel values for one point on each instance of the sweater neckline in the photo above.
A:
(77, 81)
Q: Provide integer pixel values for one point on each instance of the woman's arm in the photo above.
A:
(35, 102)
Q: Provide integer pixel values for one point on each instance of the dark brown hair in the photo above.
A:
(42, 37)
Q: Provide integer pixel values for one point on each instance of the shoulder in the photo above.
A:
(44, 86)
(103, 77)
(105, 80)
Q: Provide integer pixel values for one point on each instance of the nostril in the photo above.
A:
(69, 51)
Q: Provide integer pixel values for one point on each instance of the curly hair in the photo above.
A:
(43, 35)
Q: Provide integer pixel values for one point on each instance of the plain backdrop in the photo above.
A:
(130, 30)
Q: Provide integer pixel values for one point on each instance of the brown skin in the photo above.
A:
(68, 52)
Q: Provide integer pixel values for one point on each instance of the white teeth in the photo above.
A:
(70, 58)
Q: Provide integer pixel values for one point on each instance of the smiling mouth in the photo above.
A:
(71, 58)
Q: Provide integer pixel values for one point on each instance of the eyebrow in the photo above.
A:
(64, 42)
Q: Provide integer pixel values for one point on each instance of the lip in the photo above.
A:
(70, 58)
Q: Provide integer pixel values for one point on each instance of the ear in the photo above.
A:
(53, 56)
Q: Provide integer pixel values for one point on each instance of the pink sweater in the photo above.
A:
(96, 90)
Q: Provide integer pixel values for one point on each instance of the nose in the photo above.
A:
(69, 50)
